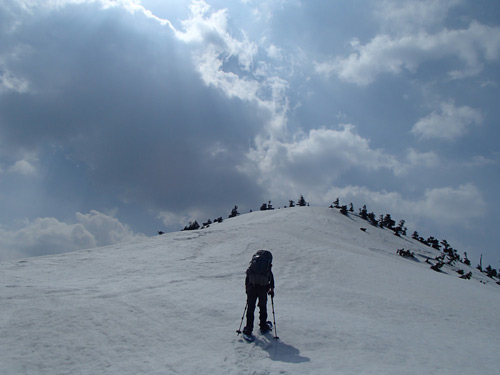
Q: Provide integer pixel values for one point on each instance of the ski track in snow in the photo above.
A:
(345, 304)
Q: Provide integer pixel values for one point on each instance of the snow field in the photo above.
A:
(345, 304)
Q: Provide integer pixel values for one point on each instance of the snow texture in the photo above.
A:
(345, 303)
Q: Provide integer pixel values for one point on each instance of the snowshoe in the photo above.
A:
(248, 337)
(266, 328)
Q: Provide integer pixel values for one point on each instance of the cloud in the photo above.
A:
(474, 46)
(453, 205)
(481, 161)
(205, 24)
(50, 236)
(233, 65)
(425, 159)
(274, 52)
(405, 16)
(443, 206)
(9, 82)
(315, 160)
(449, 123)
(105, 229)
(116, 107)
(120, 94)
(23, 167)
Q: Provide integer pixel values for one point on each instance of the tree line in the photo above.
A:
(449, 255)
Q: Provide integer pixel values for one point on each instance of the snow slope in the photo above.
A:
(345, 304)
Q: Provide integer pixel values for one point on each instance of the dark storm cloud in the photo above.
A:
(120, 95)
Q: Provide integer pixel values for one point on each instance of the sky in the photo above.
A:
(122, 118)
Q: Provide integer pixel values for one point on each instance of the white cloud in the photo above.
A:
(210, 64)
(210, 28)
(170, 219)
(230, 64)
(105, 229)
(178, 220)
(203, 23)
(481, 161)
(274, 52)
(345, 146)
(445, 206)
(314, 161)
(50, 236)
(389, 201)
(449, 123)
(393, 54)
(23, 167)
(410, 15)
(426, 159)
(452, 206)
(9, 82)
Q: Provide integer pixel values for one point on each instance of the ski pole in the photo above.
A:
(238, 331)
(274, 320)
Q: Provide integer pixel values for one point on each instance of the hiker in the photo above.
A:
(259, 282)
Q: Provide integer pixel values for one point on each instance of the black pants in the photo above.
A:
(254, 293)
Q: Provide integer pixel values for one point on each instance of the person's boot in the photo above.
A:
(264, 328)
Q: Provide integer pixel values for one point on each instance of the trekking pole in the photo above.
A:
(274, 320)
(238, 331)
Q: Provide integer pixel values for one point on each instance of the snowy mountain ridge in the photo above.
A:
(345, 303)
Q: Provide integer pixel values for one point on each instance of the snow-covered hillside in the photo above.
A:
(345, 304)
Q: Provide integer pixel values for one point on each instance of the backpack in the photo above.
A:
(259, 271)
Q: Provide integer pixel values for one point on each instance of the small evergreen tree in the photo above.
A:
(466, 277)
(437, 267)
(433, 242)
(336, 203)
(446, 246)
(388, 222)
(234, 212)
(466, 260)
(372, 219)
(491, 272)
(401, 229)
(302, 201)
(363, 213)
(192, 226)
